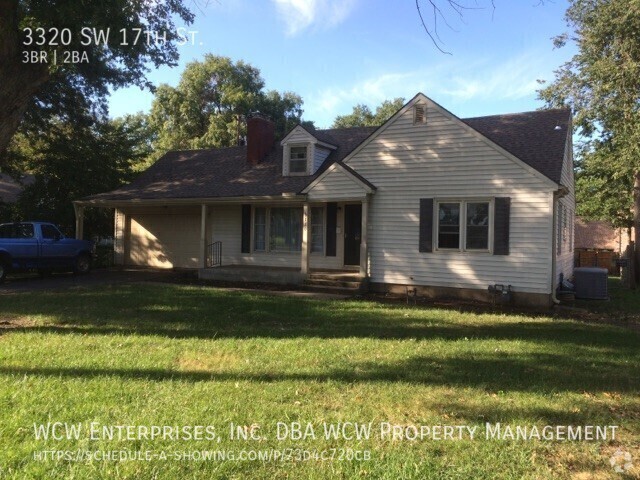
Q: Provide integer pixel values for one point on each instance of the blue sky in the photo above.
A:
(337, 53)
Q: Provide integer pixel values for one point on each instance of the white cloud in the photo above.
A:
(511, 80)
(450, 82)
(299, 15)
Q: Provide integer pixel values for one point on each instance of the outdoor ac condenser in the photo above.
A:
(591, 283)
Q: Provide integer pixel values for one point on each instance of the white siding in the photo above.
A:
(319, 156)
(565, 261)
(442, 159)
(299, 135)
(163, 237)
(336, 185)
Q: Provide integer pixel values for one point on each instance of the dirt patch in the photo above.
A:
(15, 322)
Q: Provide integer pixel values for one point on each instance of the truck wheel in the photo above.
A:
(83, 264)
(3, 271)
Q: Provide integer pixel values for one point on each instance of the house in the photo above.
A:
(10, 189)
(600, 235)
(430, 201)
(600, 244)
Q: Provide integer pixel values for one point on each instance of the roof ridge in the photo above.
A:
(215, 149)
(513, 114)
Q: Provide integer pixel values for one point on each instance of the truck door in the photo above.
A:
(55, 252)
(20, 241)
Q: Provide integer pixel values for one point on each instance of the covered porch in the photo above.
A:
(221, 239)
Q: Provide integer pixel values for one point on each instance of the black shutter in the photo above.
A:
(246, 229)
(501, 226)
(332, 220)
(425, 243)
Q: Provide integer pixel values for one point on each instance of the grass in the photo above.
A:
(184, 355)
(623, 303)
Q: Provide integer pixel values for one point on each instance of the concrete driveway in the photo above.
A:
(65, 281)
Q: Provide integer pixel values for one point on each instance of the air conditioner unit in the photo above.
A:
(591, 283)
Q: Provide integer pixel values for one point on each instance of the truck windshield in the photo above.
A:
(16, 230)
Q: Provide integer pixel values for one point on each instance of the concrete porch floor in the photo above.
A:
(275, 275)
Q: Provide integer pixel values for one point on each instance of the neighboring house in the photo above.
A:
(600, 235)
(10, 189)
(449, 206)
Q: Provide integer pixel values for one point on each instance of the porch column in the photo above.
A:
(79, 211)
(364, 251)
(203, 236)
(304, 263)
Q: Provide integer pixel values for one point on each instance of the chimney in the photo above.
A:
(260, 137)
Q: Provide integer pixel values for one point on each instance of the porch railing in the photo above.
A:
(214, 255)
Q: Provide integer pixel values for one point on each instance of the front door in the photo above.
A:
(352, 234)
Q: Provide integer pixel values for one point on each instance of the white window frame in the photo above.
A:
(267, 231)
(306, 158)
(463, 225)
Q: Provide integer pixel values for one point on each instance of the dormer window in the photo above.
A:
(298, 160)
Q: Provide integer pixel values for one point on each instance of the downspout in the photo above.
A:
(554, 247)
(557, 195)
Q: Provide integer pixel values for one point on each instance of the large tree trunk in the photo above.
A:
(19, 81)
(636, 226)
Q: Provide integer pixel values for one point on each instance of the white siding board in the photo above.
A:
(299, 135)
(565, 261)
(164, 238)
(336, 185)
(442, 159)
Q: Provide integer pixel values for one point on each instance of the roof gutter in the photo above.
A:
(185, 201)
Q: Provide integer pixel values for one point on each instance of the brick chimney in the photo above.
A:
(260, 138)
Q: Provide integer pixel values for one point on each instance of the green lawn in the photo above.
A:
(171, 355)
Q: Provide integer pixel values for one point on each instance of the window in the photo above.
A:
(449, 225)
(463, 225)
(50, 232)
(260, 229)
(285, 229)
(298, 160)
(16, 230)
(477, 237)
(317, 229)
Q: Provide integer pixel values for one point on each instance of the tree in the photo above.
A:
(602, 85)
(48, 89)
(599, 187)
(208, 107)
(70, 161)
(362, 116)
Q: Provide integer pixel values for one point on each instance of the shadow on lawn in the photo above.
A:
(179, 312)
(515, 372)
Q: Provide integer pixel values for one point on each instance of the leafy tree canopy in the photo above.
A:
(362, 116)
(209, 106)
(70, 161)
(67, 91)
(601, 83)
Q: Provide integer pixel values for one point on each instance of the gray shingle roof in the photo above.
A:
(530, 136)
(224, 172)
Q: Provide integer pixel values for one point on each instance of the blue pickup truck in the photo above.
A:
(40, 246)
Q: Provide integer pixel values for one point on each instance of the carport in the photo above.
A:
(155, 234)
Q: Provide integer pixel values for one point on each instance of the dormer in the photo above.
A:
(303, 152)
